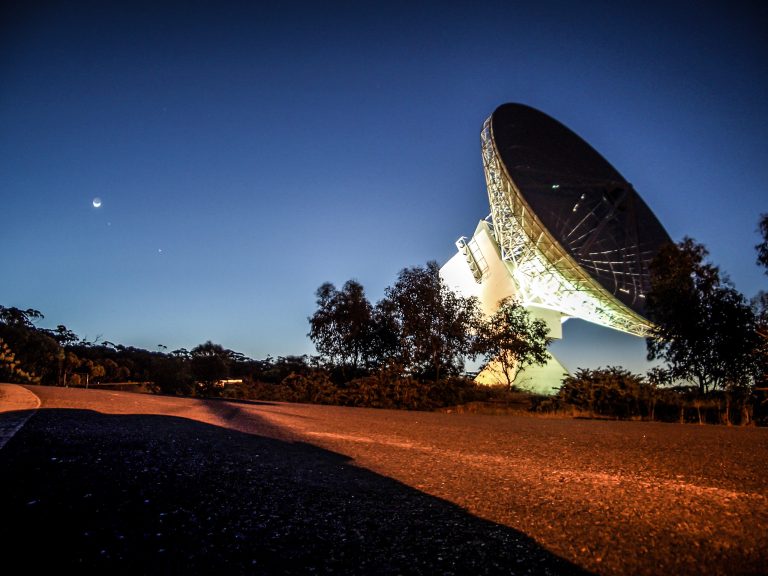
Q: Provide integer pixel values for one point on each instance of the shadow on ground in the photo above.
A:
(146, 494)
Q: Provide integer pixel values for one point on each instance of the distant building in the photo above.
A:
(230, 381)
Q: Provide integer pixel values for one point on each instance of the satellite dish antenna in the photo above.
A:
(576, 235)
(568, 237)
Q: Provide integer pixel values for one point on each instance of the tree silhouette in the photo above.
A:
(342, 326)
(704, 328)
(210, 365)
(17, 318)
(513, 339)
(434, 325)
(762, 248)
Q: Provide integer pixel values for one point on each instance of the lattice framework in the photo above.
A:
(544, 273)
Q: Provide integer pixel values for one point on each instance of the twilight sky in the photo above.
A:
(246, 152)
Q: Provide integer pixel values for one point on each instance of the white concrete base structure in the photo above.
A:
(543, 380)
(477, 269)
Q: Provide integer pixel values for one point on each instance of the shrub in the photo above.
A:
(315, 387)
(612, 392)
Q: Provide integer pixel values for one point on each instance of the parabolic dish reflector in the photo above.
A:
(575, 235)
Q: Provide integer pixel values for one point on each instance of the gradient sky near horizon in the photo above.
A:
(246, 152)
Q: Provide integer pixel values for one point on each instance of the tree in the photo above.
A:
(703, 327)
(760, 305)
(68, 362)
(434, 325)
(11, 369)
(172, 374)
(276, 371)
(210, 365)
(513, 339)
(385, 339)
(35, 351)
(762, 248)
(64, 336)
(17, 318)
(342, 327)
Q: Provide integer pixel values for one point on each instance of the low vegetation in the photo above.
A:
(616, 393)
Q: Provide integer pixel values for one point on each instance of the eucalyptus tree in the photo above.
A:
(762, 248)
(210, 365)
(34, 350)
(513, 339)
(342, 326)
(17, 318)
(760, 303)
(705, 329)
(434, 326)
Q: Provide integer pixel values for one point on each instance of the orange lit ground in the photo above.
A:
(487, 494)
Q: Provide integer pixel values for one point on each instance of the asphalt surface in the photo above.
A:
(17, 404)
(124, 483)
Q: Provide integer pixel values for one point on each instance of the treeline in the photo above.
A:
(33, 355)
(406, 351)
(409, 350)
(616, 393)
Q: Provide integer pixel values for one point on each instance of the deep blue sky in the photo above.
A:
(247, 152)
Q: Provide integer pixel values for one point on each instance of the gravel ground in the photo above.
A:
(119, 482)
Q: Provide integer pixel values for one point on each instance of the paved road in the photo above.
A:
(18, 404)
(390, 492)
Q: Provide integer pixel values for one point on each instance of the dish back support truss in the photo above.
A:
(544, 273)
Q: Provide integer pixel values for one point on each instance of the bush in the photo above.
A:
(315, 387)
(612, 392)
(385, 388)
